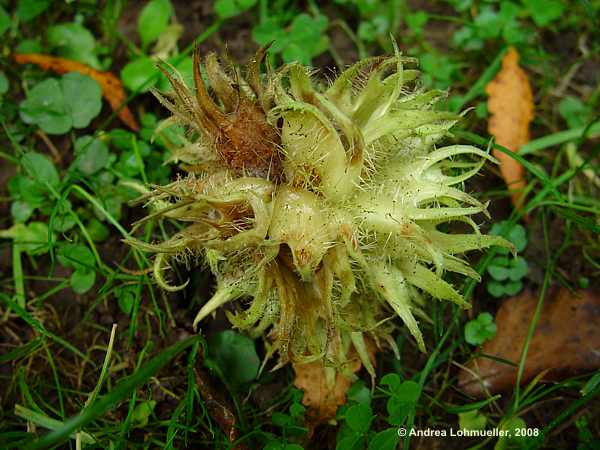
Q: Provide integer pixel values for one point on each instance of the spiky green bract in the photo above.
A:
(344, 229)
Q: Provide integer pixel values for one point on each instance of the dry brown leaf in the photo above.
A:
(566, 341)
(325, 388)
(322, 396)
(112, 88)
(510, 104)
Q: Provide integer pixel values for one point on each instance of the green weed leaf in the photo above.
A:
(471, 420)
(82, 280)
(4, 21)
(271, 30)
(231, 8)
(142, 412)
(153, 20)
(543, 12)
(76, 256)
(137, 74)
(21, 211)
(126, 298)
(97, 230)
(303, 39)
(40, 168)
(574, 111)
(359, 417)
(235, 355)
(73, 41)
(92, 155)
(385, 440)
(32, 238)
(3, 83)
(30, 9)
(495, 288)
(359, 393)
(352, 441)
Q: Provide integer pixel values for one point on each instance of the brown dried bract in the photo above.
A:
(242, 137)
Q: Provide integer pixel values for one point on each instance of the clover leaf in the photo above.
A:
(359, 417)
(34, 188)
(83, 97)
(385, 440)
(517, 269)
(359, 393)
(56, 106)
(97, 230)
(306, 39)
(403, 398)
(45, 106)
(498, 268)
(481, 329)
(507, 272)
(515, 234)
(81, 259)
(499, 289)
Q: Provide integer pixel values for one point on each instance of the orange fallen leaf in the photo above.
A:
(510, 104)
(112, 88)
(566, 341)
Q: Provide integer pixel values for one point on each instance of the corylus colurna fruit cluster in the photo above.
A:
(318, 207)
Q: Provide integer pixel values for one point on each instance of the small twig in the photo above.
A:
(134, 272)
(56, 156)
(559, 91)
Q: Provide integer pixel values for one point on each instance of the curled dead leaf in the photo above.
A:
(510, 104)
(112, 88)
(218, 408)
(566, 341)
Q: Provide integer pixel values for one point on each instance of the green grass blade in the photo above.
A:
(121, 391)
(43, 420)
(33, 323)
